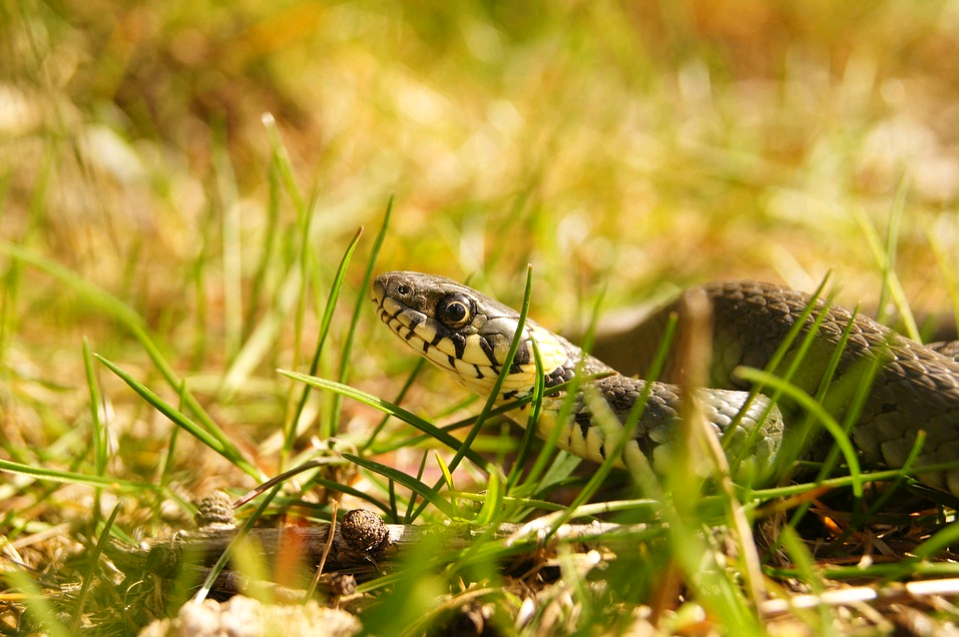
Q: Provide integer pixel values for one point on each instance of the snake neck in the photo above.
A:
(561, 362)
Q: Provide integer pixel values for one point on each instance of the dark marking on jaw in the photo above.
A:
(584, 419)
(452, 361)
(415, 321)
(510, 395)
(645, 446)
(488, 350)
(459, 344)
(479, 372)
(523, 357)
(523, 352)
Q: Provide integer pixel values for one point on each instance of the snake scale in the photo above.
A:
(915, 387)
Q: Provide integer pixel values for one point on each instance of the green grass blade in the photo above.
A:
(890, 280)
(362, 300)
(628, 430)
(493, 502)
(231, 254)
(417, 368)
(532, 422)
(810, 421)
(269, 247)
(809, 574)
(859, 517)
(411, 483)
(444, 468)
(98, 430)
(228, 450)
(40, 605)
(535, 478)
(71, 477)
(941, 541)
(325, 325)
(91, 576)
(808, 403)
(411, 505)
(864, 382)
(948, 268)
(388, 408)
(307, 274)
(501, 378)
(329, 484)
(790, 490)
(92, 294)
(282, 159)
(773, 365)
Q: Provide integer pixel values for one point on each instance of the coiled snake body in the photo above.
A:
(915, 387)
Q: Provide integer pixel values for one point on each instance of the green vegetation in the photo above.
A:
(181, 190)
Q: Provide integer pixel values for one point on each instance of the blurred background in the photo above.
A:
(625, 148)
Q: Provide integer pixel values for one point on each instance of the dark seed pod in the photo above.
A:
(363, 531)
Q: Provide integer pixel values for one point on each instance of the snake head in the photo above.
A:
(467, 333)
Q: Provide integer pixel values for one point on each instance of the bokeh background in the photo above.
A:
(624, 148)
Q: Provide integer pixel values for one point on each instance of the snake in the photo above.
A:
(827, 349)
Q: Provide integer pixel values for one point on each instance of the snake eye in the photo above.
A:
(454, 310)
(404, 290)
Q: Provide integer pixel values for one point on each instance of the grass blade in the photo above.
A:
(228, 450)
(361, 302)
(422, 489)
(388, 408)
(883, 257)
(94, 558)
(70, 477)
(808, 403)
(325, 324)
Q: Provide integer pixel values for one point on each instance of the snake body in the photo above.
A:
(915, 387)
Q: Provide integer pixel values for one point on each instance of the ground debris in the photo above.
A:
(245, 617)
(354, 551)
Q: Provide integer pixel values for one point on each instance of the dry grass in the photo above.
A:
(631, 148)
